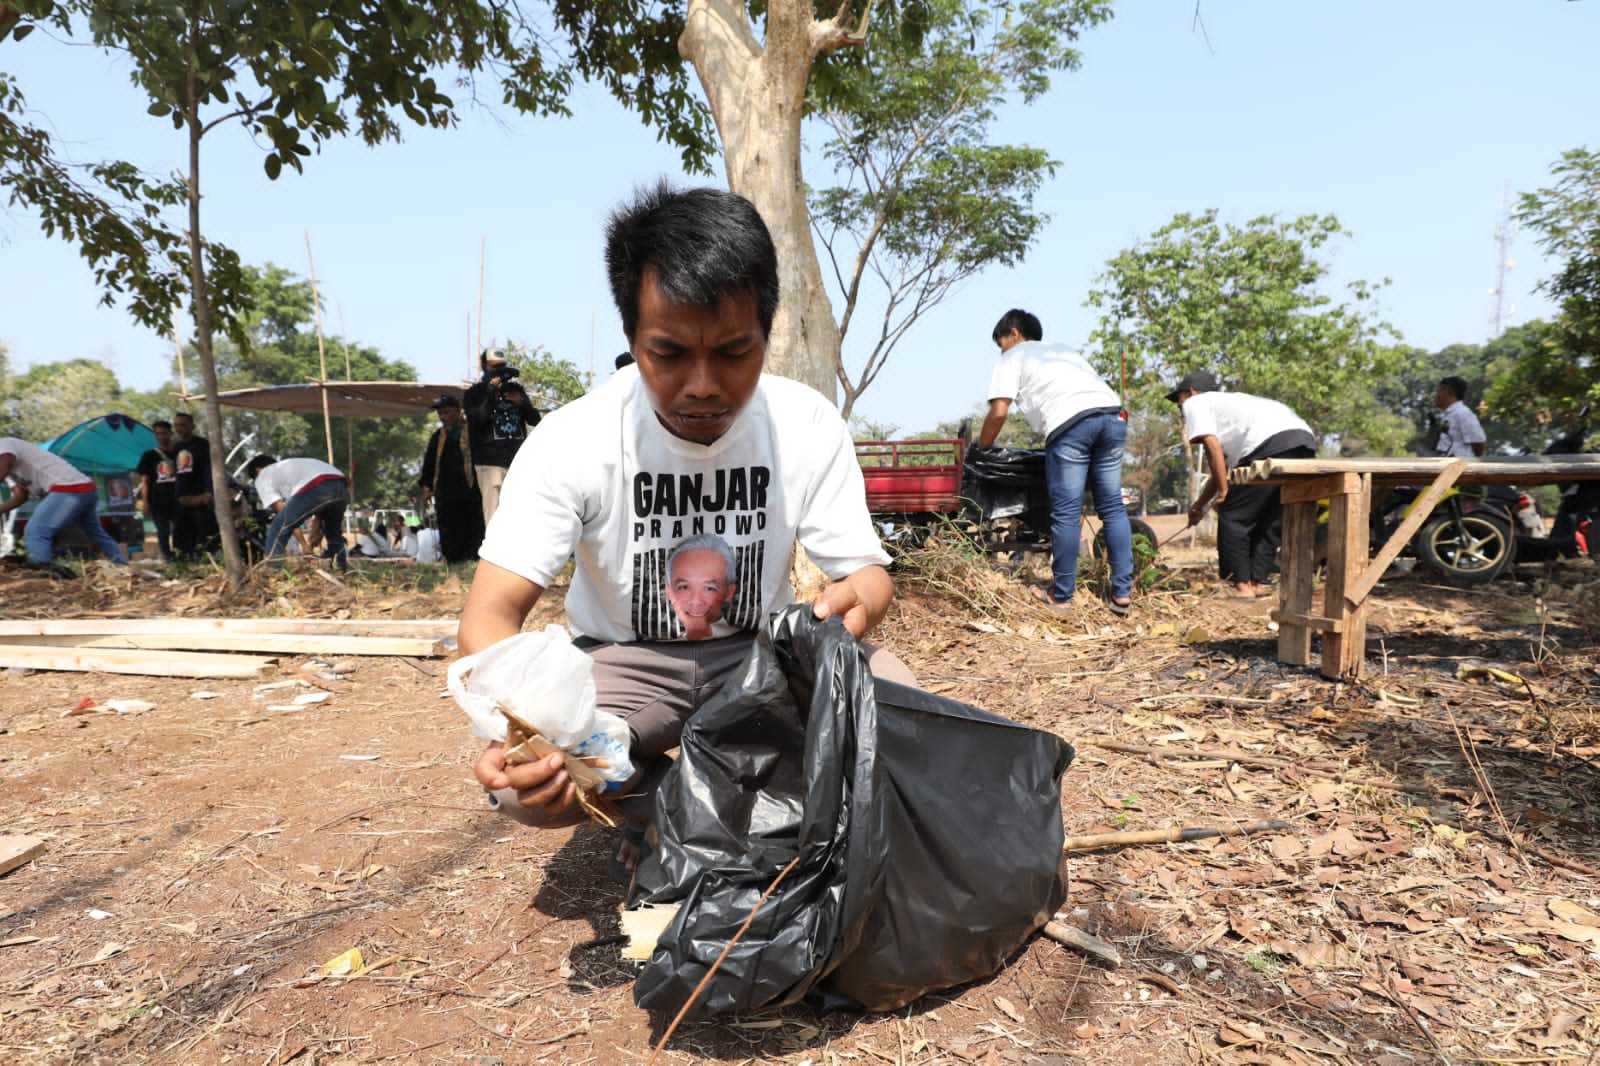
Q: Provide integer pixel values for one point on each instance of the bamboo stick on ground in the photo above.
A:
(1073, 937)
(1175, 835)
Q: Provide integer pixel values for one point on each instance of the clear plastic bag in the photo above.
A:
(549, 684)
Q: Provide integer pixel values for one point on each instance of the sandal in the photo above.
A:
(1042, 597)
(1121, 610)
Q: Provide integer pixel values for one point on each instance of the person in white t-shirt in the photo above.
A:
(699, 444)
(1237, 429)
(1081, 419)
(296, 490)
(1462, 436)
(67, 497)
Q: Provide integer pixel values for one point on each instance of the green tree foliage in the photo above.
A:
(924, 201)
(1562, 373)
(52, 397)
(279, 347)
(1249, 304)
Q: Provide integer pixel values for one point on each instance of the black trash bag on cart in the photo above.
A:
(928, 834)
(1006, 483)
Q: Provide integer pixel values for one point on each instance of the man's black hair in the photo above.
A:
(255, 466)
(1457, 386)
(704, 244)
(161, 423)
(184, 414)
(1021, 321)
(625, 359)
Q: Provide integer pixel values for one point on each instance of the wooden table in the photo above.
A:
(1347, 485)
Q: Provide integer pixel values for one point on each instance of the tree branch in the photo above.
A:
(828, 35)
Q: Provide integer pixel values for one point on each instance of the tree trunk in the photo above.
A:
(220, 496)
(757, 96)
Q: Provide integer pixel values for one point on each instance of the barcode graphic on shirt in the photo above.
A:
(743, 609)
(653, 615)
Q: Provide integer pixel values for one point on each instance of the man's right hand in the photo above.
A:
(541, 783)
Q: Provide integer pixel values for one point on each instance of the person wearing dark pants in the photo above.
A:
(158, 486)
(297, 489)
(449, 480)
(1085, 430)
(1237, 429)
(194, 527)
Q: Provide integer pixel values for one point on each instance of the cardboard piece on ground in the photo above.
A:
(269, 643)
(643, 927)
(16, 850)
(149, 663)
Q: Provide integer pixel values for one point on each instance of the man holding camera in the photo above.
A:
(499, 415)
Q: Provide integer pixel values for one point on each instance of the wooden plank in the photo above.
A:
(1490, 470)
(147, 663)
(1310, 490)
(1298, 554)
(437, 628)
(1313, 622)
(267, 643)
(1344, 652)
(1418, 514)
(16, 850)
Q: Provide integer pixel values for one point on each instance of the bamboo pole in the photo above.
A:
(183, 376)
(349, 423)
(483, 252)
(322, 355)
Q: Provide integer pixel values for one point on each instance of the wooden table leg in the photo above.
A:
(1299, 563)
(1344, 651)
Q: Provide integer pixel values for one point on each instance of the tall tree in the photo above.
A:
(294, 73)
(756, 85)
(1563, 373)
(925, 201)
(49, 398)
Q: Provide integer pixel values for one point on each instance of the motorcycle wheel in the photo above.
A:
(1483, 554)
(1141, 533)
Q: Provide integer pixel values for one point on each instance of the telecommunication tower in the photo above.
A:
(1504, 230)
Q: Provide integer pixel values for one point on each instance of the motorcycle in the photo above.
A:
(1008, 500)
(1572, 534)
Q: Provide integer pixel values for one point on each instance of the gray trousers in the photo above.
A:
(655, 687)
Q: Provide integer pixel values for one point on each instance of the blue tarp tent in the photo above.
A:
(107, 446)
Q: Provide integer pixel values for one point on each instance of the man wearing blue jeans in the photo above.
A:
(68, 499)
(1063, 398)
(296, 489)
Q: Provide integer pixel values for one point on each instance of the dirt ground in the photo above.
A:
(1436, 898)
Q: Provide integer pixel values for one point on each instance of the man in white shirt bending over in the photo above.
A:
(297, 489)
(1081, 419)
(1237, 429)
(1462, 437)
(67, 498)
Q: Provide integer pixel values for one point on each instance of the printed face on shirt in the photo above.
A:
(185, 461)
(699, 365)
(697, 585)
(166, 472)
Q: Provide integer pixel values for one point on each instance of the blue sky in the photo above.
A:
(1404, 119)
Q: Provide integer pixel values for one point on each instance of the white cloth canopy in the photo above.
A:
(348, 399)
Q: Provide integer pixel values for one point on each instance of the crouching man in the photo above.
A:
(700, 473)
(298, 490)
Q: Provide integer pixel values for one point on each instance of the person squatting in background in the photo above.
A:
(296, 490)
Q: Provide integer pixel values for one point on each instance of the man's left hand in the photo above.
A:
(859, 601)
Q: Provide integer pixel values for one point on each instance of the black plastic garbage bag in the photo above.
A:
(928, 835)
(1004, 482)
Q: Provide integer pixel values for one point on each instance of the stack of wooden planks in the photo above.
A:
(209, 647)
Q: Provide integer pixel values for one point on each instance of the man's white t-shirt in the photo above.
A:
(41, 470)
(601, 480)
(1461, 431)
(286, 477)
(1050, 383)
(1241, 422)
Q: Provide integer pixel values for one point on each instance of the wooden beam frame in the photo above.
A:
(147, 663)
(437, 628)
(1420, 510)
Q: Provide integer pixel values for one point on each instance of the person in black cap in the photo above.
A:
(499, 415)
(448, 478)
(1236, 429)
